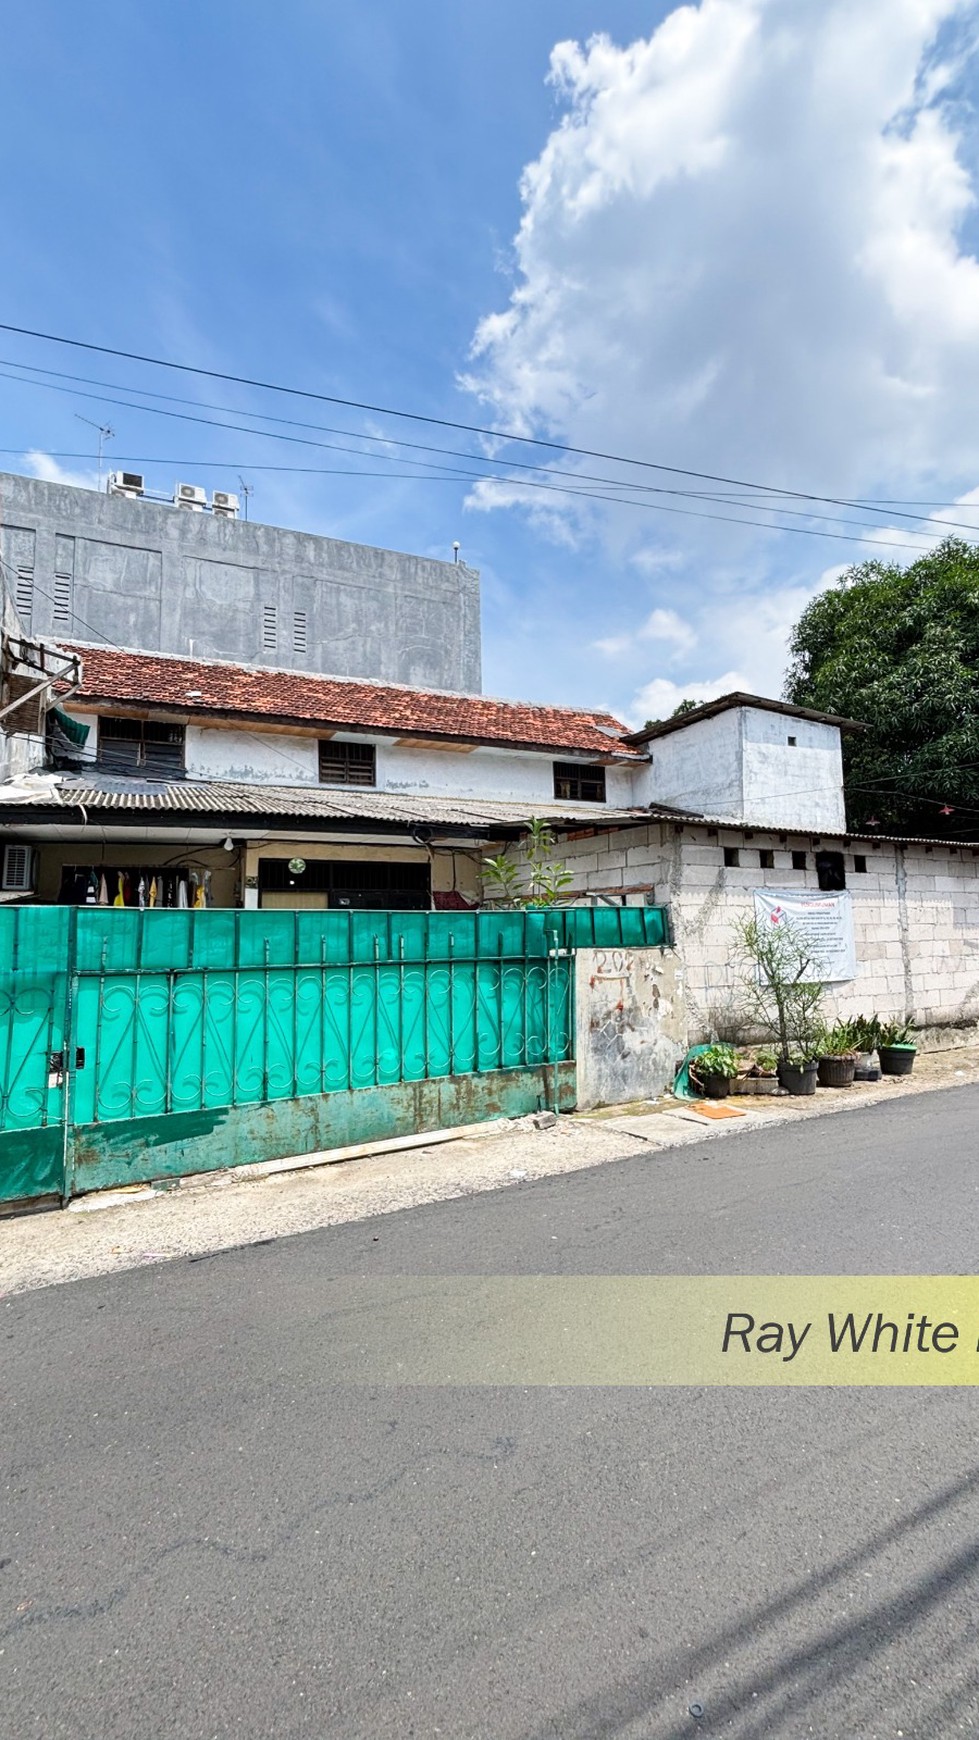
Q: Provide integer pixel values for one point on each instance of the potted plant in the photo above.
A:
(714, 1070)
(797, 1072)
(837, 1055)
(783, 997)
(745, 1080)
(866, 1032)
(895, 1048)
(762, 1074)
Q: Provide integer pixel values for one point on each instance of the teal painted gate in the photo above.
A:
(139, 1045)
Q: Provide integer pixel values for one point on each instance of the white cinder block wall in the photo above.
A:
(915, 910)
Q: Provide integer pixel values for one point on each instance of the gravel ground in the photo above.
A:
(224, 1210)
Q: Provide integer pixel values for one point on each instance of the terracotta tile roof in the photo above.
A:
(340, 703)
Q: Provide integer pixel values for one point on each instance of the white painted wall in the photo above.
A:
(791, 787)
(513, 775)
(740, 766)
(698, 767)
(252, 757)
(274, 758)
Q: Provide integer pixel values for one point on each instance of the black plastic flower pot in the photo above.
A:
(896, 1059)
(798, 1079)
(714, 1087)
(865, 1068)
(836, 1072)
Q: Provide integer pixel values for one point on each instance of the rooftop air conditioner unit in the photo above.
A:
(129, 483)
(18, 869)
(190, 495)
(224, 504)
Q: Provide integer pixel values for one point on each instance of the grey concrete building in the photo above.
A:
(84, 566)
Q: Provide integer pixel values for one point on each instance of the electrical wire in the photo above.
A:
(720, 496)
(419, 417)
(512, 483)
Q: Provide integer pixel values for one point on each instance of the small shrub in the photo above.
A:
(718, 1059)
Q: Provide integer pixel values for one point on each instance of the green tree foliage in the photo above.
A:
(684, 706)
(898, 648)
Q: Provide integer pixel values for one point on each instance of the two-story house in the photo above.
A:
(163, 780)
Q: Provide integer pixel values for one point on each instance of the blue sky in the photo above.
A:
(737, 237)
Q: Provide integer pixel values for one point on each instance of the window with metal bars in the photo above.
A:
(141, 746)
(299, 631)
(574, 779)
(270, 628)
(347, 763)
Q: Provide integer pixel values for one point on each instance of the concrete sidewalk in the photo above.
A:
(194, 1217)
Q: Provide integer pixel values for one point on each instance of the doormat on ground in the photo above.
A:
(717, 1111)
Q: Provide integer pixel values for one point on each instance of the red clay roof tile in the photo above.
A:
(339, 703)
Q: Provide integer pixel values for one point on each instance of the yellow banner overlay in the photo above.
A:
(782, 1330)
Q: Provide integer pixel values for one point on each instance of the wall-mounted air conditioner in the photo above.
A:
(18, 875)
(190, 495)
(224, 504)
(129, 483)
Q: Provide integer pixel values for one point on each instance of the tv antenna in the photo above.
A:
(105, 434)
(246, 490)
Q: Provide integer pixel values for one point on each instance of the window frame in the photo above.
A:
(352, 755)
(155, 734)
(570, 777)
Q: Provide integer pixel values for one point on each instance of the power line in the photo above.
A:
(483, 477)
(721, 496)
(456, 472)
(433, 422)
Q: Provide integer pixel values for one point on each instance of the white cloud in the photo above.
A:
(657, 700)
(42, 465)
(663, 626)
(743, 249)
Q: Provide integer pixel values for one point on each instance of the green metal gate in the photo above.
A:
(138, 1045)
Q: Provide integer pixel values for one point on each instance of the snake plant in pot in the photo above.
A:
(837, 1055)
(896, 1048)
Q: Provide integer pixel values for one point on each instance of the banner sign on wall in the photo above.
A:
(824, 921)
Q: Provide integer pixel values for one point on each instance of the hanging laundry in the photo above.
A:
(141, 893)
(92, 890)
(207, 888)
(103, 890)
(153, 891)
(198, 884)
(120, 895)
(127, 889)
(182, 900)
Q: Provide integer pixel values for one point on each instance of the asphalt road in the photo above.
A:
(204, 1533)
